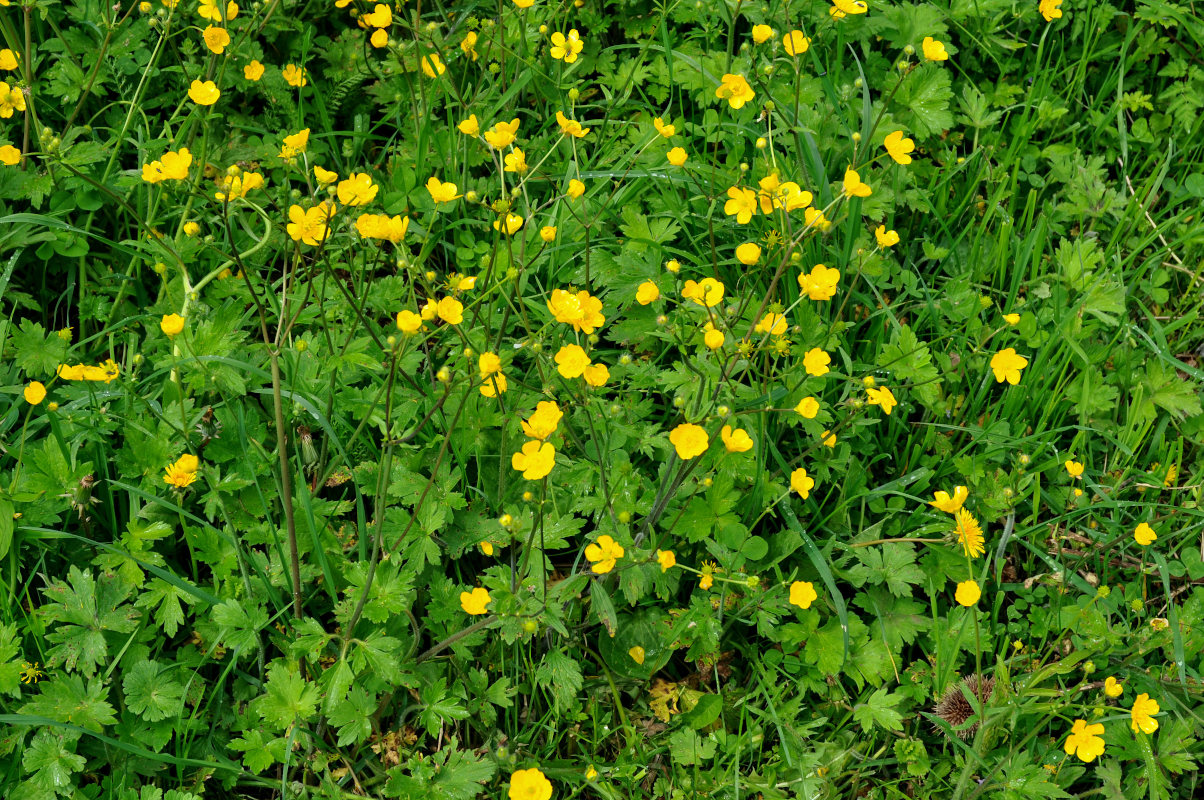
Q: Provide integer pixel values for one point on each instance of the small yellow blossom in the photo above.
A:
(295, 76)
(748, 253)
(950, 505)
(689, 440)
(934, 50)
(1144, 535)
(967, 593)
(886, 238)
(883, 398)
(801, 483)
(802, 594)
(808, 407)
(666, 559)
(816, 362)
(1142, 714)
(1006, 365)
(35, 393)
(677, 156)
(1113, 688)
(735, 440)
(474, 602)
(735, 89)
(899, 147)
(171, 324)
(647, 292)
(535, 460)
(603, 554)
(571, 361)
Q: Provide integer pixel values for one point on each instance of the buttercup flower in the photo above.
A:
(294, 144)
(707, 580)
(1049, 9)
(969, 533)
(9, 156)
(237, 186)
(677, 156)
(829, 439)
(8, 60)
(849, 7)
(802, 594)
(212, 11)
(816, 362)
(735, 440)
(603, 554)
(795, 43)
(690, 440)
(468, 44)
(707, 292)
(547, 233)
(1006, 365)
(529, 784)
(1144, 535)
(712, 338)
(357, 190)
(820, 283)
(295, 76)
(35, 393)
(950, 505)
(1085, 740)
(883, 398)
(735, 89)
(774, 324)
(450, 310)
(596, 375)
(1011, 319)
(748, 253)
(474, 602)
(182, 472)
(173, 166)
(647, 292)
(543, 421)
(663, 128)
(501, 134)
(408, 322)
(886, 238)
(1073, 468)
(1142, 714)
(576, 187)
(12, 100)
(853, 185)
(566, 48)
(325, 177)
(742, 204)
(1113, 688)
(967, 593)
(515, 161)
(441, 192)
(535, 460)
(203, 93)
(666, 559)
(171, 324)
(510, 225)
(934, 50)
(470, 126)
(899, 147)
(808, 407)
(581, 310)
(761, 34)
(571, 361)
(216, 39)
(800, 482)
(310, 226)
(433, 66)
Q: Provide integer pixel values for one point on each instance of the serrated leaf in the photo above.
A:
(462, 777)
(150, 693)
(879, 710)
(561, 677)
(86, 608)
(52, 762)
(239, 628)
(910, 360)
(288, 697)
(34, 350)
(924, 98)
(893, 565)
(603, 607)
(67, 699)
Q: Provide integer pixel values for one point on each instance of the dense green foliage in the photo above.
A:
(285, 508)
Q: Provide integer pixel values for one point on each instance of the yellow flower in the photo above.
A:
(663, 128)
(637, 655)
(216, 39)
(1011, 319)
(382, 226)
(571, 361)
(29, 672)
(408, 322)
(581, 310)
(801, 483)
(821, 283)
(34, 393)
(934, 50)
(1049, 9)
(566, 48)
(802, 594)
(470, 126)
(488, 364)
(535, 460)
(1142, 714)
(967, 593)
(9, 155)
(816, 362)
(494, 385)
(210, 10)
(173, 166)
(1144, 535)
(748, 253)
(501, 134)
(814, 218)
(735, 89)
(853, 186)
(899, 147)
(969, 533)
(516, 161)
(1006, 365)
(1113, 688)
(524, 3)
(576, 188)
(883, 398)
(171, 324)
(742, 204)
(713, 338)
(547, 233)
(513, 223)
(849, 7)
(381, 16)
(474, 602)
(543, 421)
(468, 44)
(950, 505)
(829, 439)
(182, 472)
(596, 375)
(12, 99)
(795, 43)
(433, 66)
(647, 292)
(441, 192)
(666, 559)
(677, 156)
(808, 407)
(294, 144)
(1073, 468)
(203, 93)
(1085, 740)
(689, 440)
(357, 190)
(708, 575)
(886, 238)
(761, 34)
(604, 554)
(8, 60)
(529, 784)
(310, 226)
(774, 324)
(325, 177)
(735, 440)
(450, 310)
(295, 76)
(708, 292)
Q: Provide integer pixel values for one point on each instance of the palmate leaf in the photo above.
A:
(288, 698)
(879, 710)
(86, 608)
(924, 101)
(893, 565)
(52, 762)
(150, 694)
(68, 700)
